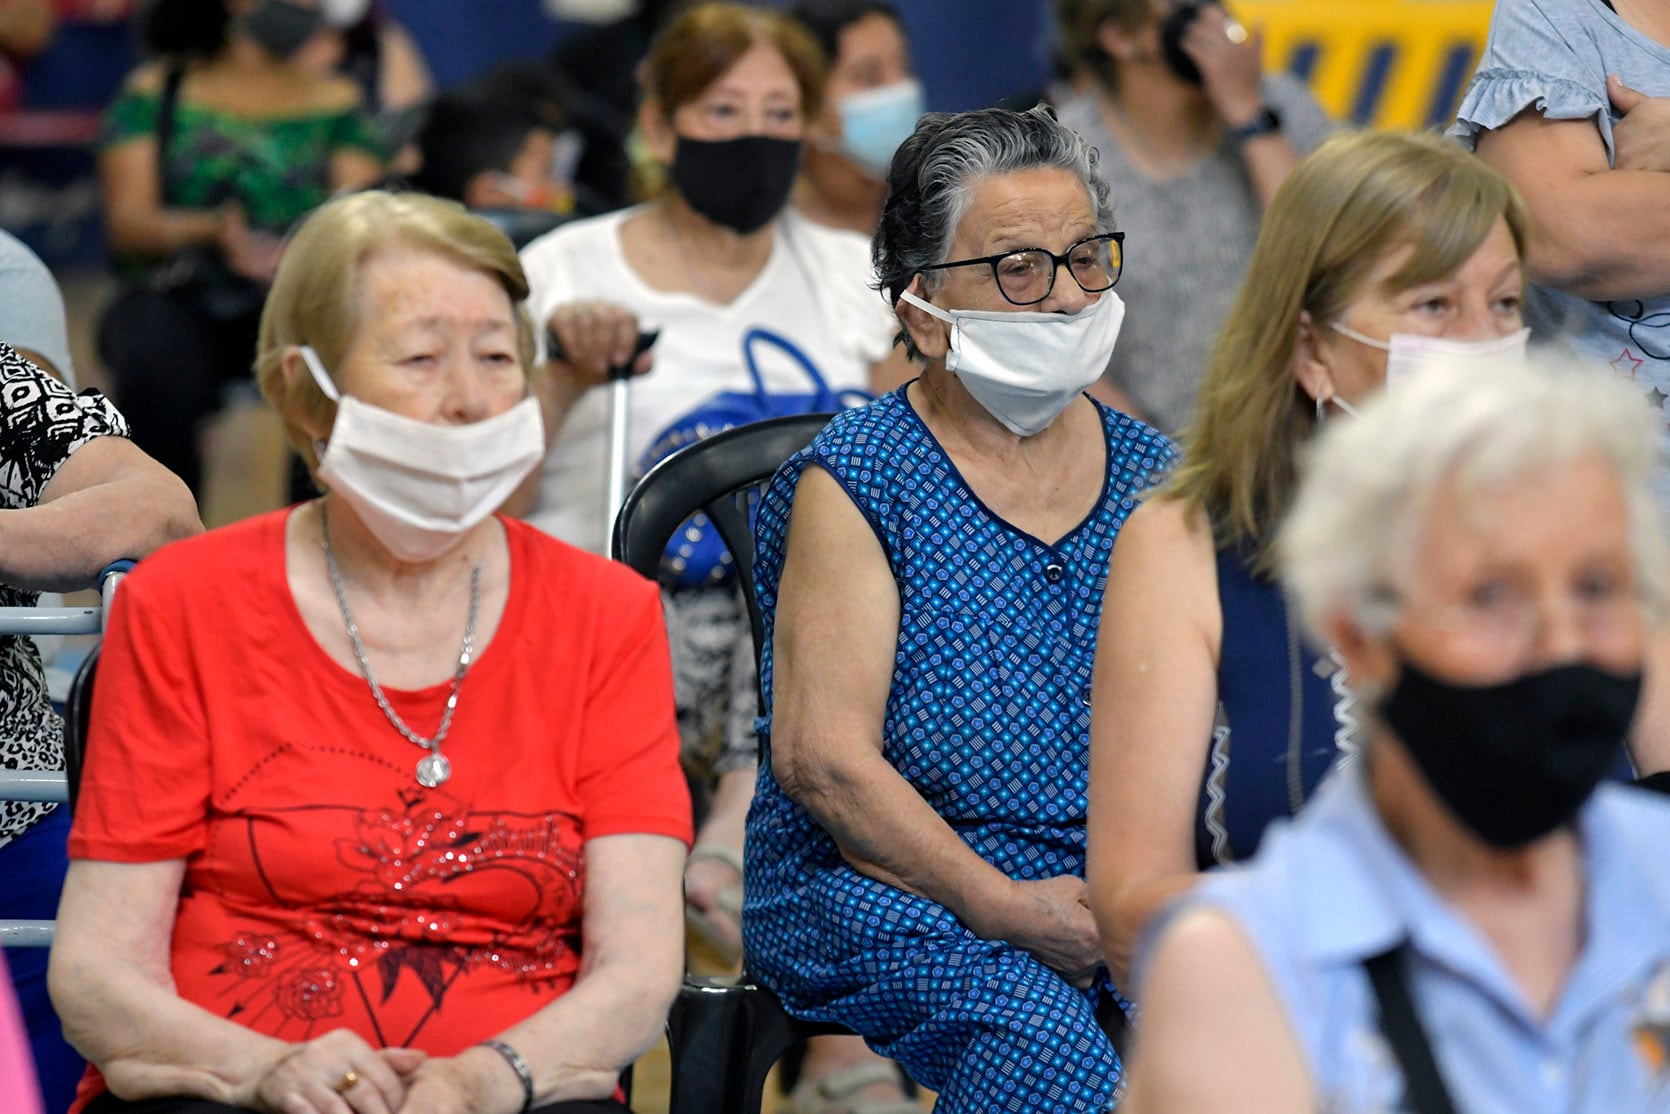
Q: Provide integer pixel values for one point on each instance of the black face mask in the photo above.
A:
(1514, 761)
(280, 27)
(1172, 30)
(740, 183)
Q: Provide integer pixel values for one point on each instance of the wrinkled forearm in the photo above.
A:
(632, 964)
(146, 1040)
(886, 830)
(577, 1046)
(64, 544)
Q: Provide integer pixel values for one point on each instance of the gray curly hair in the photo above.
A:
(930, 183)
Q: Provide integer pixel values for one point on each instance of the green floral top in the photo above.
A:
(277, 167)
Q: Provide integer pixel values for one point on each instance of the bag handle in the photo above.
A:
(757, 335)
(1423, 1082)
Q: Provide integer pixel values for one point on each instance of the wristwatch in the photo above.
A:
(1266, 122)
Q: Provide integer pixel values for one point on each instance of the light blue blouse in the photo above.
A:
(1331, 888)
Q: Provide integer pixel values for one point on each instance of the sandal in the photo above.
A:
(834, 1092)
(720, 927)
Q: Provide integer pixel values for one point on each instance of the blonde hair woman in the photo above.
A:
(363, 828)
(1210, 717)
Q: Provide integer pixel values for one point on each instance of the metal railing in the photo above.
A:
(42, 785)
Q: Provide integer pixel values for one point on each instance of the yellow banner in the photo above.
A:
(1381, 63)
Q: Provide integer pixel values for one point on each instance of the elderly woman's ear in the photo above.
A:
(931, 335)
(1370, 663)
(293, 369)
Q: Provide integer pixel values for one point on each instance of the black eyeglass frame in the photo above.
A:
(1056, 263)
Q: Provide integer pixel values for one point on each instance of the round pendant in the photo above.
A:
(432, 770)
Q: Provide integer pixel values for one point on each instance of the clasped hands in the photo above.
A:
(1051, 919)
(339, 1073)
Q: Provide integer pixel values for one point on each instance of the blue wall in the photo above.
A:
(970, 52)
(460, 38)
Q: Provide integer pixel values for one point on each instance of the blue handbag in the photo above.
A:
(696, 556)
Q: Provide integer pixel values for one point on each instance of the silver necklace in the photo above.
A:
(433, 768)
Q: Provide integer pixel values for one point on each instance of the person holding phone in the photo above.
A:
(1194, 137)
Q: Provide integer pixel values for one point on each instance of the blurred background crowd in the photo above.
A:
(527, 105)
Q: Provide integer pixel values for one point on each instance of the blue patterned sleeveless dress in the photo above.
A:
(988, 719)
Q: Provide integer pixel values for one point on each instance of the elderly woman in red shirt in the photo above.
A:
(382, 807)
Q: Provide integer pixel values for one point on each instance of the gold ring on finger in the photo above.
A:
(1235, 32)
(348, 1081)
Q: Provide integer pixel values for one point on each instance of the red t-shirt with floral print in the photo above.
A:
(324, 886)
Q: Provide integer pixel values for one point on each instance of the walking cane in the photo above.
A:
(620, 397)
(614, 493)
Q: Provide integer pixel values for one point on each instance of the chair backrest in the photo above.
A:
(714, 477)
(78, 716)
(723, 1037)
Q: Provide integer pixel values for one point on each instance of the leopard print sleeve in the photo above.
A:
(41, 423)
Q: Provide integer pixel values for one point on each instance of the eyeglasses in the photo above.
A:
(1509, 615)
(1027, 276)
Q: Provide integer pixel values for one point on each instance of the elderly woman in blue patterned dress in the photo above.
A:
(915, 852)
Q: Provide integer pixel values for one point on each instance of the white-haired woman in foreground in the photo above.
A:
(1481, 548)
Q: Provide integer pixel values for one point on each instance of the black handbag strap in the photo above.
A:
(167, 105)
(1423, 1082)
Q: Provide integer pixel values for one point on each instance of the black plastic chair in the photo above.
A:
(724, 1034)
(715, 477)
(78, 716)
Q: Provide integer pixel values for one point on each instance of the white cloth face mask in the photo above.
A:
(1025, 368)
(419, 486)
(1410, 353)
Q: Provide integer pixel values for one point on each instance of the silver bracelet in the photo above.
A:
(517, 1065)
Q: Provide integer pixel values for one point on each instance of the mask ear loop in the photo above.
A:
(1322, 408)
(317, 370)
(1339, 327)
(311, 359)
(926, 307)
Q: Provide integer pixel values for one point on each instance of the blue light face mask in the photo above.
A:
(876, 121)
